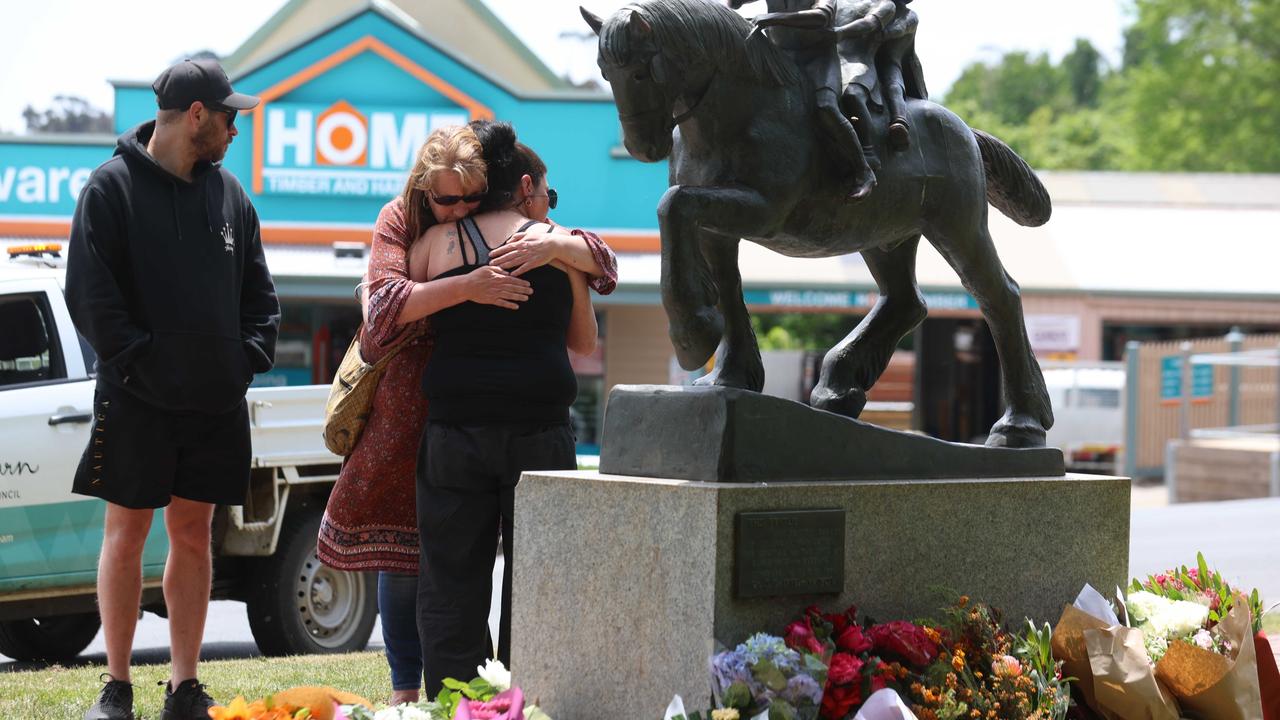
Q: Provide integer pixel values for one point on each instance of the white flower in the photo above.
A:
(1166, 618)
(401, 712)
(494, 673)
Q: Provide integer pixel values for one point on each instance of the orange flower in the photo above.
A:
(957, 662)
(238, 710)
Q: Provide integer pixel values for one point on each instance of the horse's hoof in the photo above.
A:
(733, 375)
(1016, 431)
(846, 402)
(696, 337)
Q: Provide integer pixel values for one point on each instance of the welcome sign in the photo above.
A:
(343, 149)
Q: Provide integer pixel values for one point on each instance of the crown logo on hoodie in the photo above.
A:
(228, 238)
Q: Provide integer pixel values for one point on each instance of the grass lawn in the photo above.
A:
(60, 693)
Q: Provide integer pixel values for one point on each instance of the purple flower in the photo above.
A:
(802, 690)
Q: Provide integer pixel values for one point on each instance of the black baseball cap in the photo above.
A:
(204, 80)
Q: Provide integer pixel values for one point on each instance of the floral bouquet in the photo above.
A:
(862, 659)
(1203, 586)
(299, 703)
(984, 671)
(763, 675)
(1187, 645)
(489, 696)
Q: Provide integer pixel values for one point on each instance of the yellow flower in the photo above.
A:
(724, 714)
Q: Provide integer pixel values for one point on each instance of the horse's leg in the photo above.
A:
(853, 366)
(972, 254)
(738, 364)
(689, 294)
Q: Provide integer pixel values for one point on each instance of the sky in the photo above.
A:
(75, 47)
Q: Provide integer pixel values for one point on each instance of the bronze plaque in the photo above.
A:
(789, 552)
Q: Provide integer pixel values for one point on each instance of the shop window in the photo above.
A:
(29, 350)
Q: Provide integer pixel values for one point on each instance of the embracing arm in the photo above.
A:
(487, 285)
(582, 323)
(579, 249)
(876, 19)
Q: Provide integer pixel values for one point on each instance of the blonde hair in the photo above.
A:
(453, 149)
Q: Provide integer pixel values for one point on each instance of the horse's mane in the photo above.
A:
(689, 32)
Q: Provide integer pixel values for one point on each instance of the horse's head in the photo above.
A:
(633, 64)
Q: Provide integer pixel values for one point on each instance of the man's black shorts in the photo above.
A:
(141, 457)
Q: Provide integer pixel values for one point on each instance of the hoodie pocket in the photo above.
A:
(191, 372)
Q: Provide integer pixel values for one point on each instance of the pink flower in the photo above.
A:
(507, 705)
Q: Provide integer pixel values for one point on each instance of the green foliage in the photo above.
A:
(802, 331)
(1196, 91)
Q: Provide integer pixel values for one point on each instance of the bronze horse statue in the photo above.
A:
(692, 83)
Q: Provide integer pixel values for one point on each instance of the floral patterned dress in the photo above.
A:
(370, 522)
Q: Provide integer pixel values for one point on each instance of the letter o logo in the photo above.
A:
(342, 136)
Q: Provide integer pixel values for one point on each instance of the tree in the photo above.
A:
(1083, 69)
(69, 114)
(1199, 85)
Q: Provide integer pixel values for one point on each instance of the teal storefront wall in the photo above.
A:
(575, 133)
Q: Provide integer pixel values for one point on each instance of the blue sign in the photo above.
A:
(345, 150)
(1171, 379)
(845, 299)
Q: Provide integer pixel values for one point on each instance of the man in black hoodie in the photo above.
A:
(167, 281)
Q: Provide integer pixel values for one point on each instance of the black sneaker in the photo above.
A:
(115, 702)
(188, 702)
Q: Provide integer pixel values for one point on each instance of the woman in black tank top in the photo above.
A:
(499, 386)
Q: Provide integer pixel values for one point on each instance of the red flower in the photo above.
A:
(799, 637)
(852, 639)
(839, 702)
(845, 669)
(839, 621)
(905, 641)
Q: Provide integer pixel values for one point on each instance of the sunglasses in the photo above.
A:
(231, 113)
(455, 199)
(552, 198)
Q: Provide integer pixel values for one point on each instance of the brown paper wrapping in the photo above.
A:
(1124, 683)
(1212, 685)
(1068, 646)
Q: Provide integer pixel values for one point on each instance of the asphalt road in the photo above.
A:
(226, 634)
(1240, 538)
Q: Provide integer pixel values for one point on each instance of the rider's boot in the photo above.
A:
(862, 126)
(845, 139)
(899, 126)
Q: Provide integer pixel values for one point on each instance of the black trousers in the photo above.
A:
(466, 481)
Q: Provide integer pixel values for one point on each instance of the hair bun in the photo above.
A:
(498, 142)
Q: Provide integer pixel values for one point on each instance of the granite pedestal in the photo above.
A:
(622, 585)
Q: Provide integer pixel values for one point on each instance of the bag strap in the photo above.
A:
(408, 339)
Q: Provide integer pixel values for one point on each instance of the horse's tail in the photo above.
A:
(1012, 186)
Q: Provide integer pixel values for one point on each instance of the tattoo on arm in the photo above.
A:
(453, 241)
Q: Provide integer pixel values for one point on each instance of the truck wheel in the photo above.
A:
(53, 639)
(299, 606)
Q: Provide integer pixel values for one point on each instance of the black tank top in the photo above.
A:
(494, 365)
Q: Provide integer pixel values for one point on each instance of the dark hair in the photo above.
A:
(507, 161)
